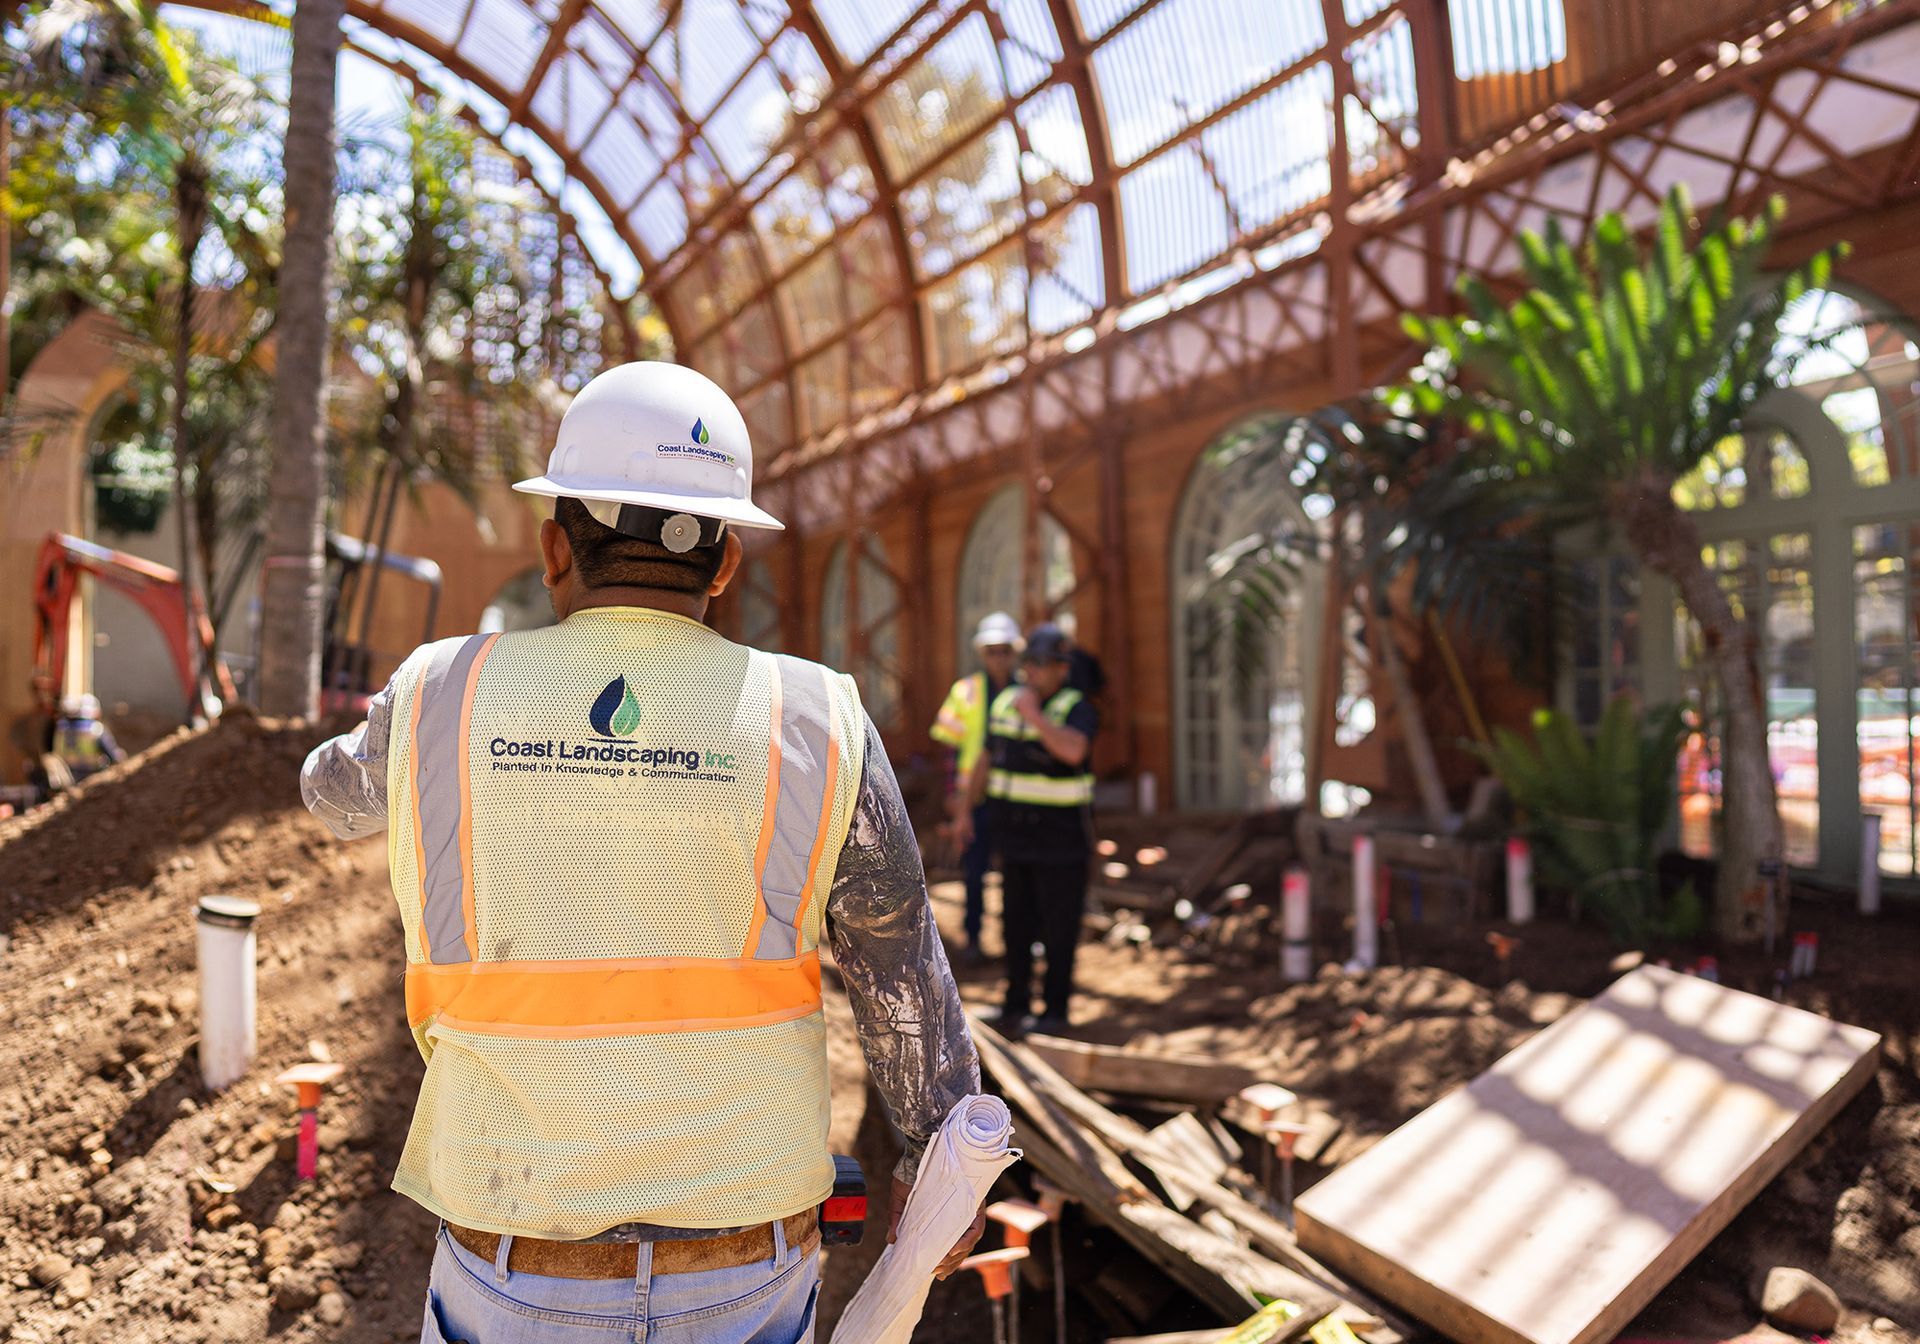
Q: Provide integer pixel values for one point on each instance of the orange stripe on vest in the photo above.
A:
(614, 996)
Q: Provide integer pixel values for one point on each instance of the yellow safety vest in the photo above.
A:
(612, 841)
(962, 721)
(1033, 775)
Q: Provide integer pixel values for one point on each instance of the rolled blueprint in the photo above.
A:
(962, 1163)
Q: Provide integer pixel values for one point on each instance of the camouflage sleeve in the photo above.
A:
(344, 780)
(906, 1006)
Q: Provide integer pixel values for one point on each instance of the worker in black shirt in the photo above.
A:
(1037, 779)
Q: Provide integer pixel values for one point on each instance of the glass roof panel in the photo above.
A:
(1056, 160)
(978, 311)
(765, 17)
(660, 219)
(1188, 58)
(968, 203)
(873, 276)
(881, 363)
(504, 38)
(793, 218)
(1070, 286)
(594, 37)
(438, 20)
(823, 388)
(1194, 202)
(571, 100)
(858, 27)
(654, 114)
(620, 158)
(715, 47)
(1032, 47)
(638, 19)
(938, 100)
(1097, 17)
(811, 300)
(743, 128)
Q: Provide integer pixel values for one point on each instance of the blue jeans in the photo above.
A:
(973, 866)
(473, 1301)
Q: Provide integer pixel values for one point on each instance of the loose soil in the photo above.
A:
(135, 1206)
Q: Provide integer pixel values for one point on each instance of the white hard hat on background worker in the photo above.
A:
(998, 628)
(657, 451)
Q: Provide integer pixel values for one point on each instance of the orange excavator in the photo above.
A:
(157, 590)
(348, 663)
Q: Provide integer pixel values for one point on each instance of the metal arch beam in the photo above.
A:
(1077, 63)
(557, 35)
(886, 196)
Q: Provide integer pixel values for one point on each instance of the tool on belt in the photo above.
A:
(843, 1218)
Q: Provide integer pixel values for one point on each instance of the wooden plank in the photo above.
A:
(1550, 1199)
(1107, 1068)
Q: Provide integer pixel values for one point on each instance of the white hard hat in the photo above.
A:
(997, 628)
(659, 437)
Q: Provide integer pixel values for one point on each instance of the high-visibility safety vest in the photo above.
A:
(962, 722)
(1028, 772)
(612, 841)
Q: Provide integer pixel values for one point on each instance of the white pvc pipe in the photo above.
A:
(1149, 788)
(1519, 881)
(1296, 952)
(1869, 863)
(1366, 908)
(227, 950)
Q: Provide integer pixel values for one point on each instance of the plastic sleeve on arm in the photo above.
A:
(906, 1006)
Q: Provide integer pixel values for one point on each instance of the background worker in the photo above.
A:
(962, 725)
(1037, 778)
(613, 843)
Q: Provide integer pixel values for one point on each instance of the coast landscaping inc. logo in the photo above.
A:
(700, 432)
(615, 712)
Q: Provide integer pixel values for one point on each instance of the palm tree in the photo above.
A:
(1591, 394)
(293, 600)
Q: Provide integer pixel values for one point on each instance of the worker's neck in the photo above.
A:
(691, 605)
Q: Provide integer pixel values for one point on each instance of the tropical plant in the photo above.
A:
(293, 588)
(1596, 812)
(1597, 389)
(1410, 536)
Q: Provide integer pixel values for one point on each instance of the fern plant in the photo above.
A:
(1596, 811)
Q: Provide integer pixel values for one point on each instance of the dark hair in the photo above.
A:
(610, 559)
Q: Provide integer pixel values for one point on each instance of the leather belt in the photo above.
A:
(621, 1259)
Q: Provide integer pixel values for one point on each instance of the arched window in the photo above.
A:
(993, 567)
(870, 649)
(1809, 519)
(1241, 734)
(521, 604)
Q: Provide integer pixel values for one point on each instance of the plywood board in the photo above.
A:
(1548, 1201)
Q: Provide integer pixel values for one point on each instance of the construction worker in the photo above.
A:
(962, 725)
(81, 742)
(613, 841)
(1037, 778)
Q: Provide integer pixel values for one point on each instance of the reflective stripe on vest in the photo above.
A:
(1067, 788)
(801, 773)
(774, 981)
(1040, 790)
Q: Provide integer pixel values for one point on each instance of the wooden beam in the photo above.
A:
(1142, 1073)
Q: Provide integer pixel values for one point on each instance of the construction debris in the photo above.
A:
(1084, 1148)
(1549, 1200)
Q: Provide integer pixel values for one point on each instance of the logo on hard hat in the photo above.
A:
(700, 432)
(615, 712)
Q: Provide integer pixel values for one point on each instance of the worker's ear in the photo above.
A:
(729, 564)
(556, 551)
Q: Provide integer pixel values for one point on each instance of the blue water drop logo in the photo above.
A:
(700, 434)
(615, 712)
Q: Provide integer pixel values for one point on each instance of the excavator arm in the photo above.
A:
(156, 589)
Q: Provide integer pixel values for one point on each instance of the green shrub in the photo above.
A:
(1596, 810)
